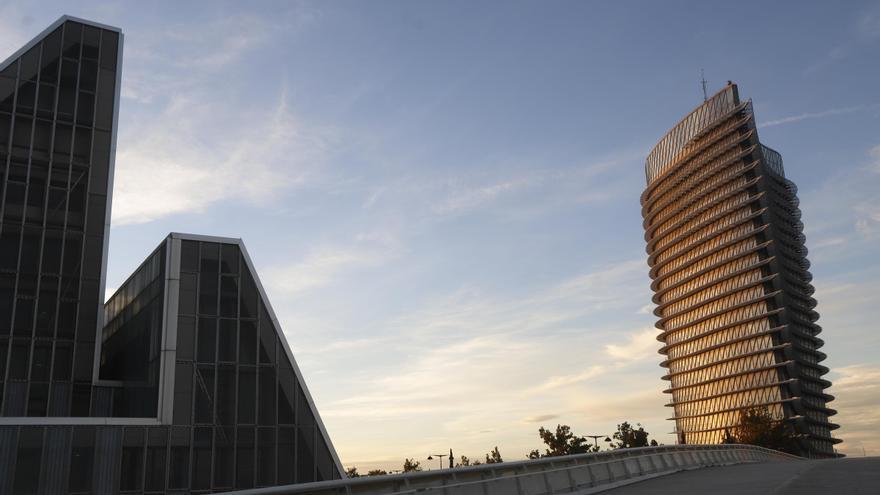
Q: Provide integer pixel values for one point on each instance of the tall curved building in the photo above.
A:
(730, 279)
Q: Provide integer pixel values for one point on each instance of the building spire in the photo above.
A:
(703, 83)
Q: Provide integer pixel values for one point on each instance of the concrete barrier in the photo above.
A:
(575, 474)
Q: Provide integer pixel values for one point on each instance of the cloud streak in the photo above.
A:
(818, 115)
(167, 166)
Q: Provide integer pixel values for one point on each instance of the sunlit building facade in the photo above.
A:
(730, 280)
(183, 382)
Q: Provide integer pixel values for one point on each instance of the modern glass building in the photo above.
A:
(730, 279)
(183, 381)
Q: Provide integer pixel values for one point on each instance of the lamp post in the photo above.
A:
(439, 456)
(596, 439)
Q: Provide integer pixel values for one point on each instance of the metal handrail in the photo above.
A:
(552, 474)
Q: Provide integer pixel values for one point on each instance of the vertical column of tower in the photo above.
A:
(57, 107)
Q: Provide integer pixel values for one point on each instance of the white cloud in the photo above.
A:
(192, 133)
(319, 269)
(639, 345)
(16, 29)
(169, 165)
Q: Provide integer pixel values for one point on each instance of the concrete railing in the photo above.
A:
(575, 474)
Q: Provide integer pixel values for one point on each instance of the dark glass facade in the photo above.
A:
(731, 280)
(182, 382)
(56, 122)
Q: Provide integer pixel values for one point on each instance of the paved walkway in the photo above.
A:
(836, 477)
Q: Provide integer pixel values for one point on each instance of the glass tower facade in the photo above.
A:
(57, 102)
(731, 281)
(183, 381)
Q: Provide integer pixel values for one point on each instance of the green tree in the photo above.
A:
(411, 465)
(628, 437)
(495, 457)
(562, 442)
(376, 472)
(757, 426)
(352, 472)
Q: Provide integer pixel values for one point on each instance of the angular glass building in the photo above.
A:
(183, 381)
(730, 279)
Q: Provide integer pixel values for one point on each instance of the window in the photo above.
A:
(247, 395)
(27, 469)
(132, 459)
(185, 337)
(189, 256)
(155, 465)
(178, 476)
(266, 398)
(227, 341)
(244, 465)
(224, 465)
(226, 394)
(266, 439)
(201, 463)
(81, 457)
(204, 406)
(207, 339)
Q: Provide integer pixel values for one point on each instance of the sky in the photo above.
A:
(442, 198)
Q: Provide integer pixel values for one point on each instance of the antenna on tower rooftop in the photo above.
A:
(703, 83)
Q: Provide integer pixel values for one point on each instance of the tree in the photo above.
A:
(628, 437)
(758, 427)
(496, 457)
(562, 442)
(376, 472)
(411, 465)
(464, 462)
(352, 472)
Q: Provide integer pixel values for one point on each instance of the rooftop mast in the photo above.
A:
(703, 83)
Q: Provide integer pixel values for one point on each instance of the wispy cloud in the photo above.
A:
(857, 391)
(321, 267)
(818, 115)
(168, 165)
(639, 345)
(515, 190)
(844, 211)
(864, 31)
(181, 151)
(868, 26)
(540, 418)
(11, 35)
(476, 364)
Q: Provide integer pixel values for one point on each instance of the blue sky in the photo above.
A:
(442, 197)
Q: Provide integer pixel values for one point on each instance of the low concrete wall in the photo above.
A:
(576, 474)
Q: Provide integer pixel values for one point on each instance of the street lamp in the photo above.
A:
(439, 456)
(596, 439)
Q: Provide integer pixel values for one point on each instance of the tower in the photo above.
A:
(731, 280)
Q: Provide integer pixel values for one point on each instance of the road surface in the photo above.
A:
(836, 477)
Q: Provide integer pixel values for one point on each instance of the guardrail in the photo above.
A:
(573, 474)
